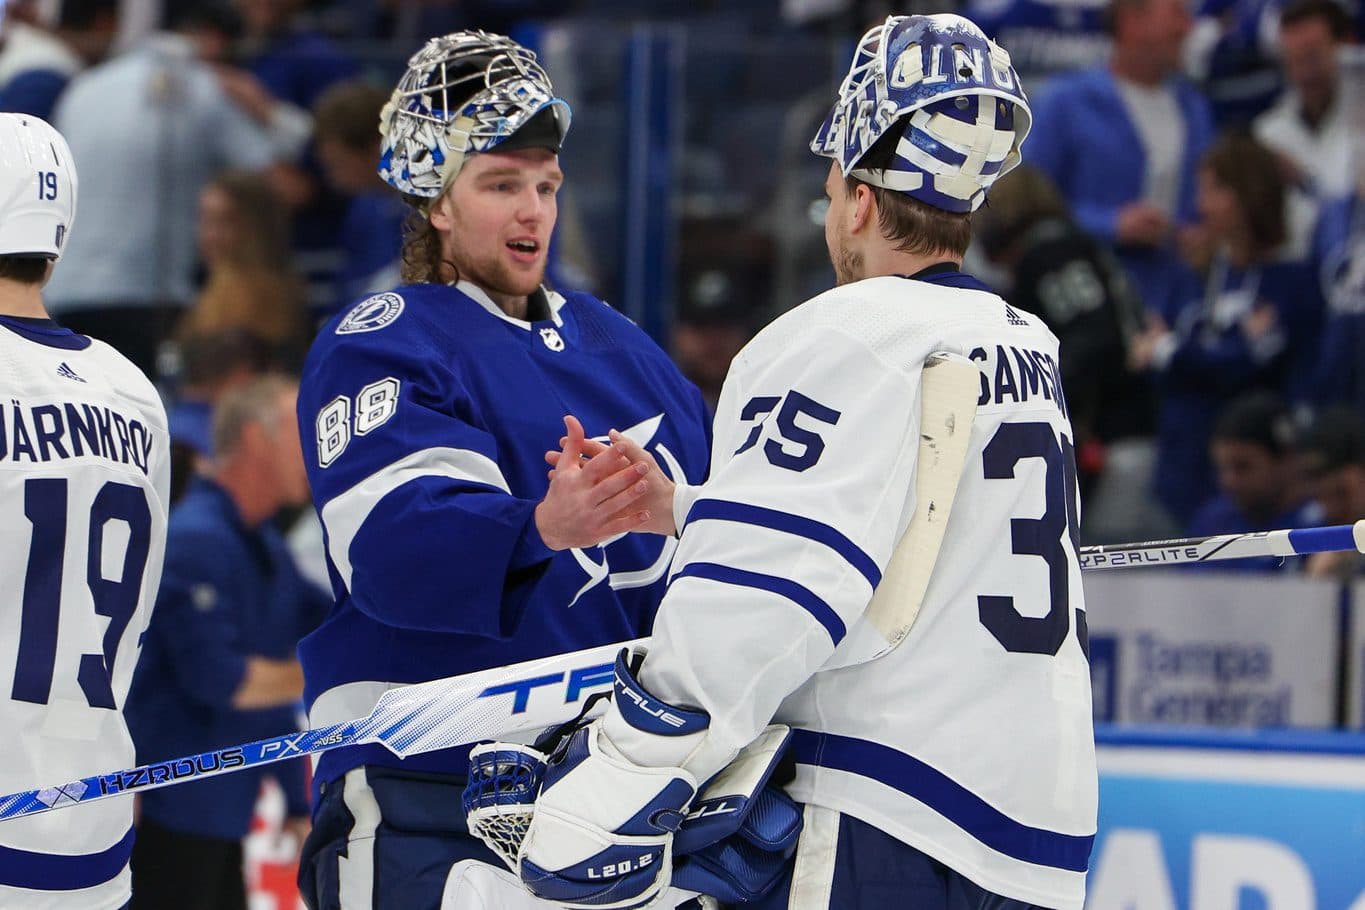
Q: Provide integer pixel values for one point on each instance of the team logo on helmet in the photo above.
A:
(372, 314)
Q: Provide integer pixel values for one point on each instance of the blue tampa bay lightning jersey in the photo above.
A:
(426, 413)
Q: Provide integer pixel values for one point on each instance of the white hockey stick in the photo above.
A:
(1291, 542)
(408, 720)
(534, 695)
(537, 694)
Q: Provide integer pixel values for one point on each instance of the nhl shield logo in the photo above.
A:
(551, 338)
(371, 314)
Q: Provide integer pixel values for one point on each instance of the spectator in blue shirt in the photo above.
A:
(1122, 142)
(295, 64)
(36, 62)
(218, 665)
(1333, 455)
(1044, 37)
(347, 145)
(1256, 324)
(211, 364)
(1339, 262)
(1231, 54)
(1259, 487)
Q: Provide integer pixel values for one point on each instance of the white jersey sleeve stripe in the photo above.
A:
(344, 514)
(799, 525)
(943, 795)
(783, 587)
(55, 872)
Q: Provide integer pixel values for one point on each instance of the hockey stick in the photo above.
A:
(537, 694)
(408, 720)
(1293, 542)
(444, 713)
(497, 703)
(949, 386)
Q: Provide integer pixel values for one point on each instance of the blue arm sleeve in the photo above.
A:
(34, 92)
(1051, 148)
(1223, 363)
(195, 619)
(1049, 140)
(1199, 135)
(422, 529)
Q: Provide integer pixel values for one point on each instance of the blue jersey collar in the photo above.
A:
(949, 275)
(45, 332)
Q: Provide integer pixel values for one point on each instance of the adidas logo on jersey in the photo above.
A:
(1013, 317)
(67, 373)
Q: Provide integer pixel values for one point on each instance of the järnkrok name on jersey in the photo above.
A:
(37, 433)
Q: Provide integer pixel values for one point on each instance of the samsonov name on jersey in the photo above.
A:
(1020, 375)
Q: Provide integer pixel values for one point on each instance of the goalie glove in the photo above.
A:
(734, 847)
(600, 833)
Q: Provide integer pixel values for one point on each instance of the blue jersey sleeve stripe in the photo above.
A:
(945, 796)
(62, 872)
(782, 587)
(344, 514)
(799, 525)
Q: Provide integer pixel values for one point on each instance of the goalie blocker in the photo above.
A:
(652, 830)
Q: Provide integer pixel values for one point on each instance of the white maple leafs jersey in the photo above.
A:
(972, 741)
(84, 486)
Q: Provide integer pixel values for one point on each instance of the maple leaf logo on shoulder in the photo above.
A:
(371, 314)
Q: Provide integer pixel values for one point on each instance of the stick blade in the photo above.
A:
(949, 389)
(499, 703)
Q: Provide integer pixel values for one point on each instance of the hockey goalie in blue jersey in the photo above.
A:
(426, 414)
(939, 704)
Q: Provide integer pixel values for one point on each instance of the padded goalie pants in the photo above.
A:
(846, 864)
(384, 839)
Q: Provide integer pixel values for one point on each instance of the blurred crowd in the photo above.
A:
(1187, 222)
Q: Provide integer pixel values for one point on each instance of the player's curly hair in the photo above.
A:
(421, 255)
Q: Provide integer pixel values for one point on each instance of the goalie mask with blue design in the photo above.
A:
(953, 95)
(463, 94)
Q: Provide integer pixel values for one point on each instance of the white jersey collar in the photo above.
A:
(479, 296)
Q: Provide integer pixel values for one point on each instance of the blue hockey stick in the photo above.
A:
(537, 694)
(408, 720)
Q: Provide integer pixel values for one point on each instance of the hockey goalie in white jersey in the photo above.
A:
(84, 478)
(952, 769)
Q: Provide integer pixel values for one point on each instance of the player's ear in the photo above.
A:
(439, 213)
(864, 209)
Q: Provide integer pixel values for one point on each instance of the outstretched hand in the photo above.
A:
(593, 496)
(657, 499)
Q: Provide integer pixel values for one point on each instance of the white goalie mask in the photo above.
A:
(37, 188)
(464, 93)
(965, 114)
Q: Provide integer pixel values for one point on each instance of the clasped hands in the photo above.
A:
(599, 491)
